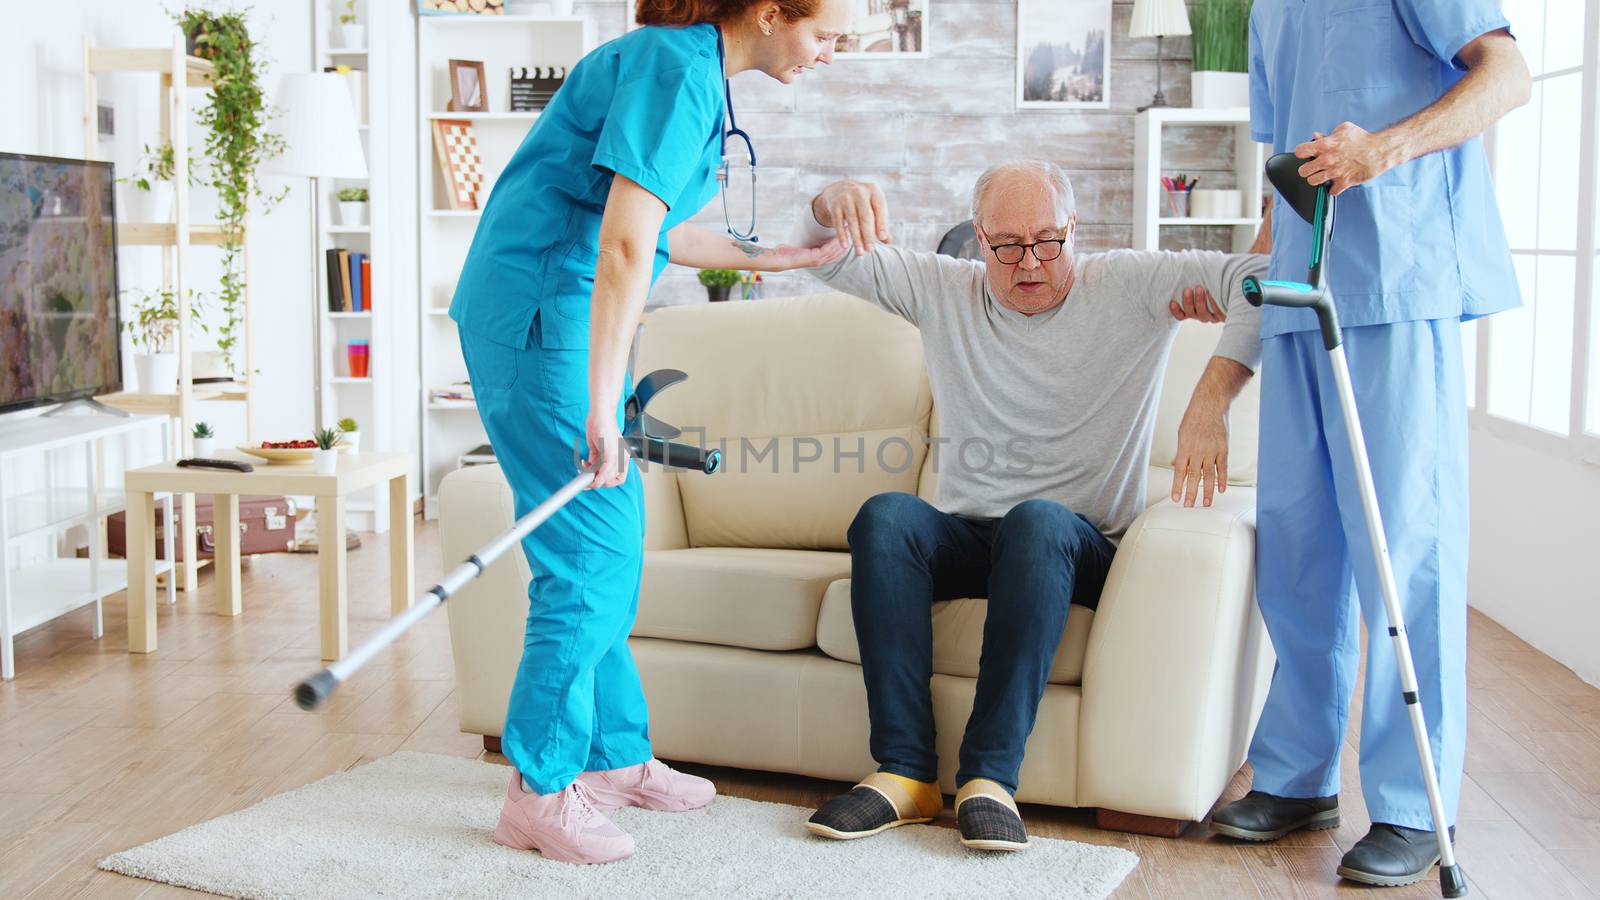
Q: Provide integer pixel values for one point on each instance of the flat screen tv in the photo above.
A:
(59, 336)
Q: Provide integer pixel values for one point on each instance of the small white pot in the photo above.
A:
(158, 372)
(1219, 90)
(351, 439)
(326, 462)
(561, 9)
(205, 447)
(352, 212)
(351, 37)
(154, 205)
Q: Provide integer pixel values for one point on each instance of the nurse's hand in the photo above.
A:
(782, 259)
(1345, 157)
(608, 456)
(857, 211)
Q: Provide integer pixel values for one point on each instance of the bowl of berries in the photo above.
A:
(285, 451)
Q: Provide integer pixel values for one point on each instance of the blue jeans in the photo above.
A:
(1030, 564)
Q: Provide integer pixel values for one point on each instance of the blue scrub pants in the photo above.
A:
(577, 704)
(1314, 560)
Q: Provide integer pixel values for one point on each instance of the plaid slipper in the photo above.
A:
(880, 802)
(988, 817)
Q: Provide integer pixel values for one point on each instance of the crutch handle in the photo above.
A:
(1297, 294)
(677, 456)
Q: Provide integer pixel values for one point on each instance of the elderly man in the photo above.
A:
(1054, 360)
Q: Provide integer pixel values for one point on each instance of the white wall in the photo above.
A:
(41, 63)
(1536, 548)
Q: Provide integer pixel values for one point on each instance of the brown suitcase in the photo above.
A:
(266, 525)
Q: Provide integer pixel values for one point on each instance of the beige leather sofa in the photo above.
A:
(744, 637)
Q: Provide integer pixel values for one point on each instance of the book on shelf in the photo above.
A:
(356, 288)
(461, 390)
(481, 455)
(344, 281)
(335, 283)
(366, 283)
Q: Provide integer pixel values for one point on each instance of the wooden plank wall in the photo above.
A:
(926, 128)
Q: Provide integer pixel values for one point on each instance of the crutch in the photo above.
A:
(1315, 205)
(646, 438)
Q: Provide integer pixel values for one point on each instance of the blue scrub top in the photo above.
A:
(1422, 241)
(648, 105)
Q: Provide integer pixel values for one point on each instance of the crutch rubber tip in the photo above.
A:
(310, 693)
(1452, 881)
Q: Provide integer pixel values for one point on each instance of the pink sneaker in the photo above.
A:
(564, 826)
(651, 785)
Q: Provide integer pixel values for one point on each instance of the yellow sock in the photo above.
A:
(924, 795)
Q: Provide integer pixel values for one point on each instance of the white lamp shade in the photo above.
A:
(1158, 17)
(318, 125)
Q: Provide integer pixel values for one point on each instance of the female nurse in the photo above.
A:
(585, 216)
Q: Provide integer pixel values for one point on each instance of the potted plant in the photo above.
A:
(152, 329)
(205, 440)
(351, 35)
(149, 194)
(1220, 36)
(235, 117)
(718, 282)
(351, 434)
(325, 458)
(352, 206)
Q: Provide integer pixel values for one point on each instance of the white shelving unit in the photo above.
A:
(36, 584)
(500, 42)
(1148, 168)
(367, 400)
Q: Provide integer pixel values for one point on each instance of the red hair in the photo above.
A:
(693, 12)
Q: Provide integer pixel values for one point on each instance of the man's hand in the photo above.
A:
(1348, 156)
(782, 259)
(1198, 304)
(857, 211)
(1201, 464)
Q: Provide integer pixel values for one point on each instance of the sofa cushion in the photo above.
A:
(817, 403)
(957, 635)
(737, 596)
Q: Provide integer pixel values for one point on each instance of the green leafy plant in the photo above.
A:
(154, 323)
(327, 438)
(203, 430)
(237, 142)
(1220, 35)
(348, 425)
(352, 195)
(718, 278)
(348, 17)
(156, 164)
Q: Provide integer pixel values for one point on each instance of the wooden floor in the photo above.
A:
(101, 750)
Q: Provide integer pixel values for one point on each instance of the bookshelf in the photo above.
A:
(450, 428)
(1148, 168)
(367, 399)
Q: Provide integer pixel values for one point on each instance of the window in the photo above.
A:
(1538, 370)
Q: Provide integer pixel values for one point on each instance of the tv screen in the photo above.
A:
(58, 281)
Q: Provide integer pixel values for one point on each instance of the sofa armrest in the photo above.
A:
(1178, 662)
(664, 525)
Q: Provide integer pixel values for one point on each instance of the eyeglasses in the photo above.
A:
(1043, 251)
(725, 174)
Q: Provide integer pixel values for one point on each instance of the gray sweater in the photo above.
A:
(1060, 405)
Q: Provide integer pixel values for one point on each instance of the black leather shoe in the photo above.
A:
(1390, 856)
(1259, 816)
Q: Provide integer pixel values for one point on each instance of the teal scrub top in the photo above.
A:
(1423, 240)
(648, 105)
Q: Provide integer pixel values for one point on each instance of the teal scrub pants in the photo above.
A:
(577, 704)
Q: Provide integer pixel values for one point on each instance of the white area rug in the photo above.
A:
(419, 825)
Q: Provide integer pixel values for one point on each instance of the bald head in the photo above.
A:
(1022, 182)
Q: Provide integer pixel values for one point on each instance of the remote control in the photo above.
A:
(234, 465)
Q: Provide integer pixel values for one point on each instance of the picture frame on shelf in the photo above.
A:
(467, 92)
(1063, 54)
(885, 29)
(455, 147)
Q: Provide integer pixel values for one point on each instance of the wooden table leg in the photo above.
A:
(227, 581)
(331, 562)
(402, 571)
(191, 548)
(141, 555)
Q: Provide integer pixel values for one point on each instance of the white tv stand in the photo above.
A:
(35, 510)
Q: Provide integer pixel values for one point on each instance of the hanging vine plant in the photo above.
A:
(238, 140)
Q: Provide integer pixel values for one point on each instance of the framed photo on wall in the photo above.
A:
(885, 29)
(466, 87)
(1063, 61)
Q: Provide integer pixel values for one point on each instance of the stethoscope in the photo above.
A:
(734, 131)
